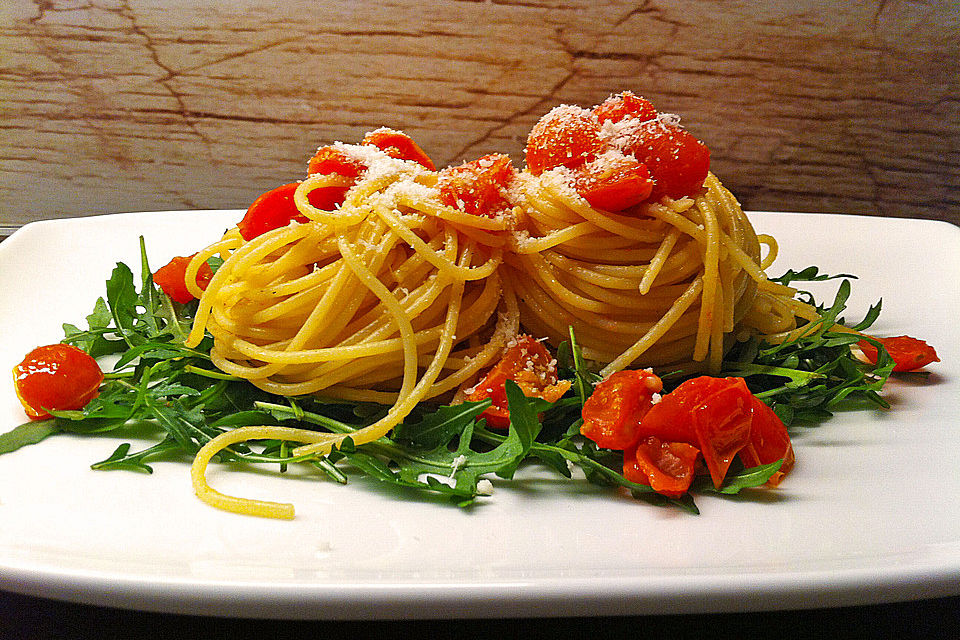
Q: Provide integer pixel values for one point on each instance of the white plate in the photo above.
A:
(870, 514)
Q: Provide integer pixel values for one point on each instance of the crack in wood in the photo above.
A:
(166, 81)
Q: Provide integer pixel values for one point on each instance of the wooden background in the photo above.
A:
(152, 105)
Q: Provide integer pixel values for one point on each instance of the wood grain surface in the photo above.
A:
(131, 105)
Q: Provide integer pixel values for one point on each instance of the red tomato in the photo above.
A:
(713, 414)
(332, 160)
(612, 414)
(528, 363)
(678, 161)
(57, 376)
(397, 144)
(276, 208)
(769, 442)
(625, 105)
(614, 182)
(668, 467)
(272, 210)
(908, 353)
(478, 187)
(566, 136)
(171, 278)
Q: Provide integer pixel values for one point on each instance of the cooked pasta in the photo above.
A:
(402, 293)
(670, 288)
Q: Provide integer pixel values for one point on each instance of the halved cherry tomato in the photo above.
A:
(612, 413)
(614, 182)
(478, 187)
(565, 136)
(332, 160)
(528, 363)
(625, 105)
(713, 414)
(668, 467)
(57, 376)
(171, 278)
(276, 208)
(272, 210)
(677, 161)
(769, 442)
(908, 353)
(397, 144)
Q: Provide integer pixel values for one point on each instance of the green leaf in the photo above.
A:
(439, 427)
(524, 422)
(806, 377)
(120, 459)
(752, 477)
(27, 434)
(810, 274)
(122, 300)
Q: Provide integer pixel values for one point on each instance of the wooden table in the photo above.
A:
(132, 106)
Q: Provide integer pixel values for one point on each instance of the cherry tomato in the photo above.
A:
(276, 208)
(713, 414)
(57, 376)
(566, 135)
(769, 442)
(614, 182)
(332, 160)
(677, 161)
(612, 413)
(171, 278)
(272, 210)
(528, 363)
(478, 187)
(397, 144)
(908, 353)
(668, 467)
(625, 105)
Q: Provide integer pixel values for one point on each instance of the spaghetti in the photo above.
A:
(667, 289)
(397, 295)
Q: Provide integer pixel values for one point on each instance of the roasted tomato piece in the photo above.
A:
(397, 144)
(612, 413)
(478, 187)
(276, 208)
(908, 353)
(58, 377)
(668, 467)
(528, 363)
(565, 136)
(713, 414)
(272, 210)
(677, 161)
(625, 105)
(614, 182)
(171, 278)
(332, 160)
(769, 442)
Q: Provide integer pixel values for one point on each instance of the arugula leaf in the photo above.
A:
(744, 479)
(808, 376)
(26, 434)
(437, 428)
(809, 274)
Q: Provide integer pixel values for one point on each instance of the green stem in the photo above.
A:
(207, 373)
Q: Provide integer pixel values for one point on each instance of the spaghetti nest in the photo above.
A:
(392, 298)
(670, 288)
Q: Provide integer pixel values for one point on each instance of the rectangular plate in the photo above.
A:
(868, 515)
